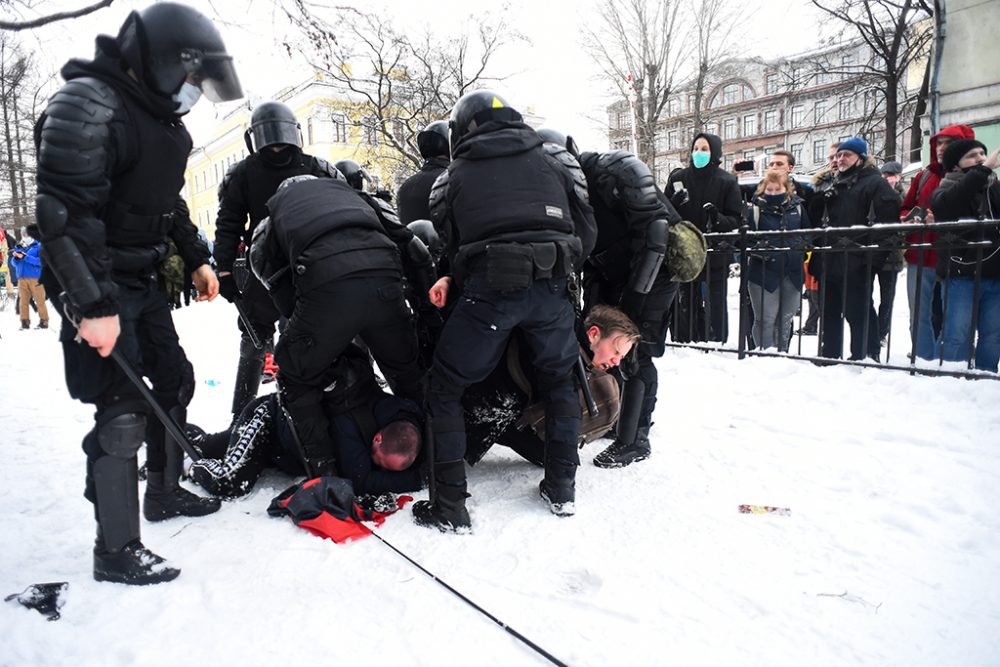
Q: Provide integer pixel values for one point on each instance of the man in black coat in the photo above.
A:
(275, 146)
(516, 223)
(858, 195)
(413, 195)
(709, 197)
(111, 155)
(333, 259)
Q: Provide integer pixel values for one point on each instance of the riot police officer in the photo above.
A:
(111, 156)
(333, 260)
(275, 144)
(413, 194)
(625, 269)
(516, 222)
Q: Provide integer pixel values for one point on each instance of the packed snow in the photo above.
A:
(888, 557)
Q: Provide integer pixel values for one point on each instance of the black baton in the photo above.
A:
(588, 397)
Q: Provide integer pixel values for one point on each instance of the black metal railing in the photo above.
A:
(850, 257)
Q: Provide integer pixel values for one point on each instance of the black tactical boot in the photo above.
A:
(248, 372)
(132, 564)
(165, 498)
(621, 454)
(558, 487)
(446, 510)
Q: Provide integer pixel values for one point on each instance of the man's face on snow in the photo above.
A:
(608, 350)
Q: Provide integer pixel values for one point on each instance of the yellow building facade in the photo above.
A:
(332, 129)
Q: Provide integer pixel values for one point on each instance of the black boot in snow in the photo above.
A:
(133, 564)
(446, 511)
(558, 487)
(621, 454)
(632, 441)
(165, 498)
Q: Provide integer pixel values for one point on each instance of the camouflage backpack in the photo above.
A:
(686, 252)
(172, 276)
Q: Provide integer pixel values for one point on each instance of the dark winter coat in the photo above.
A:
(124, 201)
(243, 195)
(972, 195)
(710, 184)
(774, 212)
(921, 189)
(413, 195)
(857, 196)
(29, 266)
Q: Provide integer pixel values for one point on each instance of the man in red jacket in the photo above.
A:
(919, 196)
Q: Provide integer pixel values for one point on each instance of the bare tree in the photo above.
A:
(712, 27)
(892, 30)
(401, 80)
(641, 39)
(27, 24)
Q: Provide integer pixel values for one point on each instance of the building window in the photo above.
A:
(770, 121)
(339, 128)
(845, 108)
(871, 102)
(310, 136)
(749, 125)
(672, 140)
(691, 98)
(845, 137)
(623, 121)
(204, 179)
(798, 77)
(771, 84)
(820, 112)
(878, 142)
(819, 151)
(749, 155)
(847, 66)
(729, 93)
(796, 151)
(729, 128)
(215, 172)
(196, 189)
(798, 115)
(673, 108)
(371, 131)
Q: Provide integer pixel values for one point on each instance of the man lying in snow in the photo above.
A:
(376, 436)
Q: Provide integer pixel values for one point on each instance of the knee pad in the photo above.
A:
(186, 391)
(122, 436)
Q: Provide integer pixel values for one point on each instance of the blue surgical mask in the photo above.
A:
(186, 97)
(700, 159)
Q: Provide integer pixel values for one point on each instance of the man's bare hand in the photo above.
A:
(993, 161)
(205, 282)
(438, 293)
(100, 333)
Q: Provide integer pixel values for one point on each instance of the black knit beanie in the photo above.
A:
(956, 151)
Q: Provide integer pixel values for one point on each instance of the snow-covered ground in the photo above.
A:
(889, 556)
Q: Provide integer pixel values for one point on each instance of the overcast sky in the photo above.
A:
(552, 74)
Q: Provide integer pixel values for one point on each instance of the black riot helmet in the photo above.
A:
(475, 108)
(354, 173)
(424, 230)
(551, 136)
(433, 140)
(166, 43)
(272, 123)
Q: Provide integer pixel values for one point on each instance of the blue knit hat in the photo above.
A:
(855, 145)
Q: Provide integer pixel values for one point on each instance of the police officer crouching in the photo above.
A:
(516, 223)
(111, 156)
(275, 144)
(333, 260)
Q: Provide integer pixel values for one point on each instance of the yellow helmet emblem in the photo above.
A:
(497, 104)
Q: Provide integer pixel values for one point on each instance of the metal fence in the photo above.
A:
(850, 258)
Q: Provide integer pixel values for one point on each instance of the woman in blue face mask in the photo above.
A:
(710, 198)
(775, 278)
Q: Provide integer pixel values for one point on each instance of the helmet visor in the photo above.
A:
(216, 76)
(272, 132)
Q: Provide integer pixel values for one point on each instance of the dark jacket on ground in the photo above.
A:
(413, 195)
(774, 212)
(243, 195)
(972, 195)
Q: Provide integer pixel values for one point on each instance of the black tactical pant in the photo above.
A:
(473, 341)
(149, 342)
(324, 322)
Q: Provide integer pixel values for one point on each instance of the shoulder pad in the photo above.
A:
(323, 168)
(73, 134)
(569, 163)
(385, 208)
(237, 171)
(633, 179)
(438, 199)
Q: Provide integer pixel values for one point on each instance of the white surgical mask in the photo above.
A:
(187, 96)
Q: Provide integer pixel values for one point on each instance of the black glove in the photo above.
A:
(680, 198)
(711, 215)
(631, 304)
(228, 289)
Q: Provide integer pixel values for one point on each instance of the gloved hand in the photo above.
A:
(680, 198)
(228, 289)
(711, 215)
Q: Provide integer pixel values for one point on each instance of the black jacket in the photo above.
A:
(243, 194)
(119, 174)
(974, 194)
(502, 185)
(413, 195)
(858, 196)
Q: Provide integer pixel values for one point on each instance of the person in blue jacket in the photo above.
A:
(28, 266)
(775, 278)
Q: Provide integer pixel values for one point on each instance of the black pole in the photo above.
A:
(250, 331)
(588, 396)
